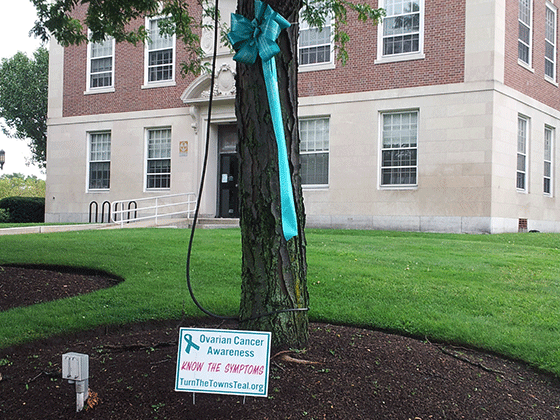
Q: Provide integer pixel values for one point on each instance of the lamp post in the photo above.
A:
(2, 159)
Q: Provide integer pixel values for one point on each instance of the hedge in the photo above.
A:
(24, 209)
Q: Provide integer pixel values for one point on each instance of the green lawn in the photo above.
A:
(495, 292)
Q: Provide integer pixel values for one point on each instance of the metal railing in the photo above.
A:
(153, 208)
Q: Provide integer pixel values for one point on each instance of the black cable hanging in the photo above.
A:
(203, 176)
(201, 188)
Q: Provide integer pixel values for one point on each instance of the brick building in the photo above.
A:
(444, 119)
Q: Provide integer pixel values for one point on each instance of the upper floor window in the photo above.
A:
(158, 162)
(399, 149)
(402, 29)
(550, 43)
(522, 137)
(316, 47)
(101, 69)
(314, 151)
(160, 55)
(525, 32)
(99, 160)
(548, 140)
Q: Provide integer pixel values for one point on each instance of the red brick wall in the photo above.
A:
(518, 77)
(129, 77)
(444, 49)
(444, 46)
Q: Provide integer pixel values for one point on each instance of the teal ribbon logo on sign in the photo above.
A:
(190, 343)
(257, 37)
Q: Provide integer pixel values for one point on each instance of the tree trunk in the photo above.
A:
(273, 270)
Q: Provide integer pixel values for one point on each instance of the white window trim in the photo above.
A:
(380, 185)
(529, 65)
(554, 10)
(88, 161)
(551, 161)
(319, 186)
(104, 89)
(417, 55)
(302, 68)
(524, 190)
(146, 138)
(162, 83)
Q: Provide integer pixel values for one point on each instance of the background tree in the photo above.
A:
(274, 293)
(23, 100)
(18, 185)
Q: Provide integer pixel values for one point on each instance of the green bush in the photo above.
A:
(24, 209)
(4, 216)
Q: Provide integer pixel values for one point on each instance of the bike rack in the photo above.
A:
(94, 210)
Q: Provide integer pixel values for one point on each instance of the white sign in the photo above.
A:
(223, 362)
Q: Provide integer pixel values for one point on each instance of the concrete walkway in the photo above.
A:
(206, 223)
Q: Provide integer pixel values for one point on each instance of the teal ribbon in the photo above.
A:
(257, 37)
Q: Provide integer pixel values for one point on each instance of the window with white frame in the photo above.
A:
(158, 161)
(399, 148)
(315, 46)
(522, 137)
(525, 31)
(160, 54)
(548, 144)
(314, 151)
(550, 43)
(402, 28)
(99, 160)
(101, 69)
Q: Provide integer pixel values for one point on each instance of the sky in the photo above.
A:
(14, 37)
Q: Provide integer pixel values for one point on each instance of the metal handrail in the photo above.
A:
(121, 210)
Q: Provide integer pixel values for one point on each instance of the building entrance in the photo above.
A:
(228, 175)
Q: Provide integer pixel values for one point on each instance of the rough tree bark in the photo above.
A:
(273, 270)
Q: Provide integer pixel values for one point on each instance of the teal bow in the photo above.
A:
(258, 37)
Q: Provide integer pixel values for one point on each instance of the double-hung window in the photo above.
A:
(399, 149)
(160, 55)
(158, 162)
(550, 43)
(101, 68)
(525, 37)
(99, 161)
(522, 137)
(548, 144)
(402, 30)
(314, 151)
(316, 47)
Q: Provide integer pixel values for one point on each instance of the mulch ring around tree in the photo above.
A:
(345, 373)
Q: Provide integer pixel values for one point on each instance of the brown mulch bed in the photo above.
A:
(355, 373)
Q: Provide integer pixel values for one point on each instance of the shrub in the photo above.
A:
(4, 216)
(24, 209)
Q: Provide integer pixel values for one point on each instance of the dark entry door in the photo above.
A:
(228, 179)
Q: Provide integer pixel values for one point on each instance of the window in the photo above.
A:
(550, 43)
(316, 46)
(399, 149)
(548, 140)
(314, 151)
(100, 64)
(158, 165)
(525, 32)
(99, 160)
(522, 133)
(402, 28)
(160, 55)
